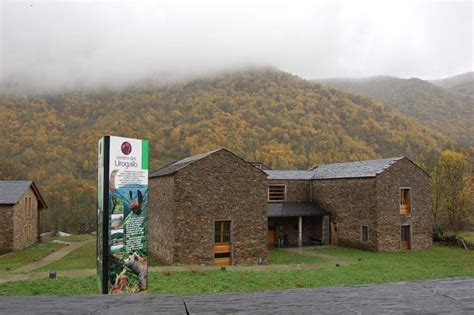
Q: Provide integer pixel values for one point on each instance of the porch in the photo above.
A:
(292, 224)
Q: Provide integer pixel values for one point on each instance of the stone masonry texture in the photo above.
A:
(404, 174)
(375, 202)
(17, 230)
(351, 203)
(221, 186)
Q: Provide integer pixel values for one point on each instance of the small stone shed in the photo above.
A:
(21, 205)
(208, 209)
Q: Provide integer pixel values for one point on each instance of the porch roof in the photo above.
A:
(294, 209)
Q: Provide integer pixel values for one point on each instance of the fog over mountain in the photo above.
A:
(63, 45)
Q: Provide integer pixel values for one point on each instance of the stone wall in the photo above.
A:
(21, 238)
(351, 203)
(6, 229)
(161, 207)
(404, 174)
(296, 190)
(183, 208)
(221, 186)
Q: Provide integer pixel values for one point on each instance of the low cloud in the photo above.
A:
(57, 46)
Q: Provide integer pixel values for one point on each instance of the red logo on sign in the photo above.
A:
(126, 148)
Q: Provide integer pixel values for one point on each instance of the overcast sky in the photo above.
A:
(52, 44)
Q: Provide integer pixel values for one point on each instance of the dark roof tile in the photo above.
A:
(293, 209)
(369, 168)
(11, 191)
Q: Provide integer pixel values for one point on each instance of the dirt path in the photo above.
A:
(57, 255)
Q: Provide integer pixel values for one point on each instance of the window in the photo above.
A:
(365, 233)
(276, 193)
(28, 212)
(405, 200)
(222, 232)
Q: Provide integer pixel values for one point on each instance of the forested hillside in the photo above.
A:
(266, 116)
(462, 84)
(441, 109)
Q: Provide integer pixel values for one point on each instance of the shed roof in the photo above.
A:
(294, 209)
(12, 190)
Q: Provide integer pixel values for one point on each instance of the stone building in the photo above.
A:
(216, 208)
(20, 214)
(208, 209)
(380, 205)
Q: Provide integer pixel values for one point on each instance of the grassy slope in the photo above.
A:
(14, 260)
(439, 262)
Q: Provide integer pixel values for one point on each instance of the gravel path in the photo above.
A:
(450, 296)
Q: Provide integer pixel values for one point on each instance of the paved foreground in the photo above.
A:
(454, 296)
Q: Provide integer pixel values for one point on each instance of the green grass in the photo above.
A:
(75, 238)
(283, 257)
(439, 262)
(468, 236)
(59, 286)
(82, 258)
(17, 259)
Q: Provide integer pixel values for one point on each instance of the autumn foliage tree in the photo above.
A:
(452, 192)
(263, 115)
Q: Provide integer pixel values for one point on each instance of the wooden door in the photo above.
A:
(222, 243)
(271, 236)
(405, 237)
(334, 237)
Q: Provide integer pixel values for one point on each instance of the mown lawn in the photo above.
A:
(75, 238)
(17, 259)
(282, 257)
(439, 262)
(82, 258)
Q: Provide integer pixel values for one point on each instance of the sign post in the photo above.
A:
(122, 215)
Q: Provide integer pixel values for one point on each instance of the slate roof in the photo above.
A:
(173, 167)
(369, 168)
(12, 190)
(293, 209)
(296, 175)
